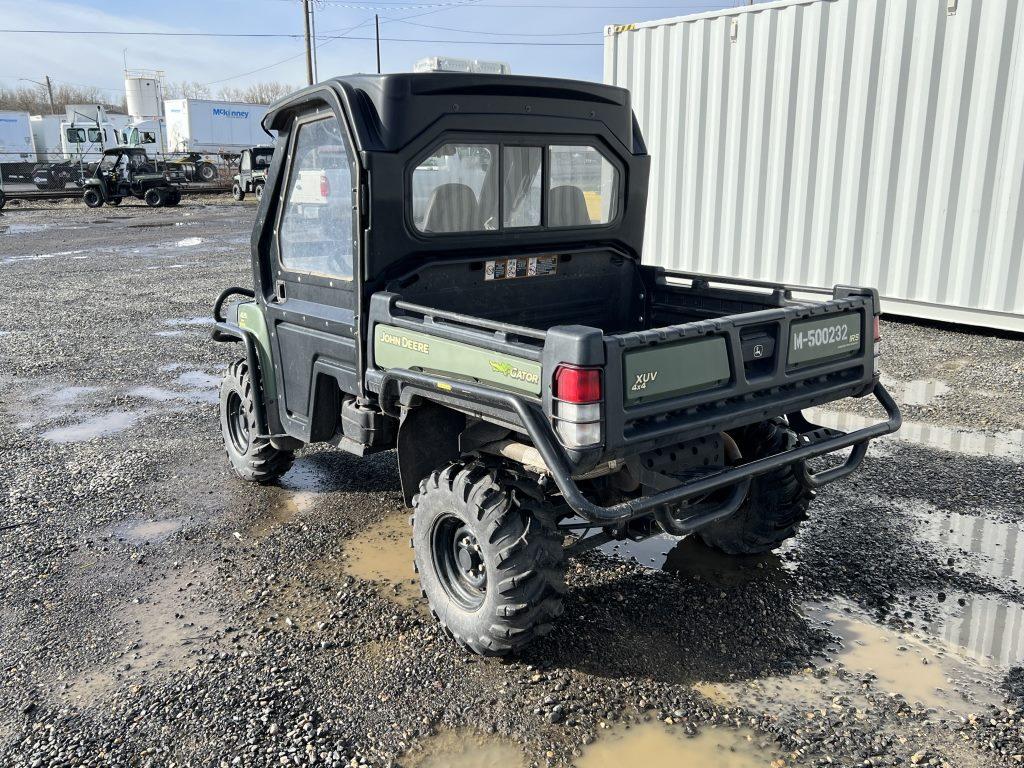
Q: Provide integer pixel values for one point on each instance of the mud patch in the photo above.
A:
(381, 554)
(465, 749)
(655, 745)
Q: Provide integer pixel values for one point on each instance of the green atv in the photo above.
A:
(449, 265)
(128, 172)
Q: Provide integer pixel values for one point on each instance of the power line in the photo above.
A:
(500, 34)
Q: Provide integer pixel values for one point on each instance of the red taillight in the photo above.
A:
(325, 186)
(878, 329)
(577, 385)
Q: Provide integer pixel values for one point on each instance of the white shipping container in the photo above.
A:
(212, 127)
(16, 143)
(814, 142)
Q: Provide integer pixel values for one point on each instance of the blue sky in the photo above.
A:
(97, 59)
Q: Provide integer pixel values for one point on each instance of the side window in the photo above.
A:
(245, 164)
(76, 135)
(455, 189)
(316, 219)
(582, 187)
(95, 135)
(522, 178)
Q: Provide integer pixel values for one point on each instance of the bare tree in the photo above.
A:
(35, 100)
(185, 89)
(257, 93)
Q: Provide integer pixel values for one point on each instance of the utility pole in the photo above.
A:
(312, 23)
(376, 21)
(309, 47)
(49, 92)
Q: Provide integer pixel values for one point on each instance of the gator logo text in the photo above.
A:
(507, 369)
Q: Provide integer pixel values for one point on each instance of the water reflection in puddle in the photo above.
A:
(203, 320)
(382, 554)
(98, 426)
(655, 745)
(148, 531)
(988, 627)
(1008, 444)
(465, 749)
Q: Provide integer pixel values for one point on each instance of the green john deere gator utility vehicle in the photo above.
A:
(449, 264)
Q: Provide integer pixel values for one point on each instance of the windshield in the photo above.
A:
(261, 158)
(108, 162)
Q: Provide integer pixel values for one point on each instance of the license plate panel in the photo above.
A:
(824, 338)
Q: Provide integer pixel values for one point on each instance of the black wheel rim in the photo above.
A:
(238, 424)
(458, 562)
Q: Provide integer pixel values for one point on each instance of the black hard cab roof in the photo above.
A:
(395, 121)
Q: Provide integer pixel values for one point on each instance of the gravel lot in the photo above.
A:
(157, 611)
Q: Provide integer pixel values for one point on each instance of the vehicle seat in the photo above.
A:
(451, 208)
(567, 207)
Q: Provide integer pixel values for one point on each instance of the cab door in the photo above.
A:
(312, 300)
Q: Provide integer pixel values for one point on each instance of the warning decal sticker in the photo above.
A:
(510, 269)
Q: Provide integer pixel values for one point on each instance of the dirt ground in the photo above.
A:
(158, 611)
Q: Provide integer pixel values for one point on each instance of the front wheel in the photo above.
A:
(492, 571)
(92, 198)
(258, 190)
(777, 502)
(253, 458)
(236, 192)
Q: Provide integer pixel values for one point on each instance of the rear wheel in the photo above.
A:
(253, 458)
(114, 201)
(154, 198)
(236, 192)
(492, 572)
(3, 199)
(207, 171)
(258, 190)
(777, 503)
(172, 198)
(92, 198)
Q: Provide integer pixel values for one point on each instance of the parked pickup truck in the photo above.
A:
(467, 288)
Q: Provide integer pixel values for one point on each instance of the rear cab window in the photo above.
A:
(458, 187)
(315, 232)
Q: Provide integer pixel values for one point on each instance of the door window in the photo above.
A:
(316, 221)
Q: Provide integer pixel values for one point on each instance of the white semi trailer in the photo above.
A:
(17, 147)
(213, 127)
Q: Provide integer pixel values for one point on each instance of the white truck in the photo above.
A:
(209, 127)
(17, 147)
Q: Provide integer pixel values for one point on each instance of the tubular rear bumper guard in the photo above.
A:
(663, 502)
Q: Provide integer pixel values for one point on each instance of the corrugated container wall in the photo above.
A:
(873, 142)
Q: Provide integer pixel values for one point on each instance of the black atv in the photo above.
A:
(128, 172)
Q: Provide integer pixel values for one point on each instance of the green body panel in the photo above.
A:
(817, 340)
(250, 317)
(668, 370)
(398, 348)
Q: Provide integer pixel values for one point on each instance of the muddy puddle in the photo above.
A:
(917, 391)
(196, 386)
(160, 632)
(922, 669)
(465, 749)
(382, 554)
(148, 531)
(1006, 444)
(657, 745)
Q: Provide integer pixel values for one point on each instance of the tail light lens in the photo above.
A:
(325, 186)
(878, 343)
(577, 406)
(878, 329)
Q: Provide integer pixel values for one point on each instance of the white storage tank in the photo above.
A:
(813, 142)
(143, 96)
(213, 127)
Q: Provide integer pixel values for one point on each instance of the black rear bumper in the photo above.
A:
(560, 467)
